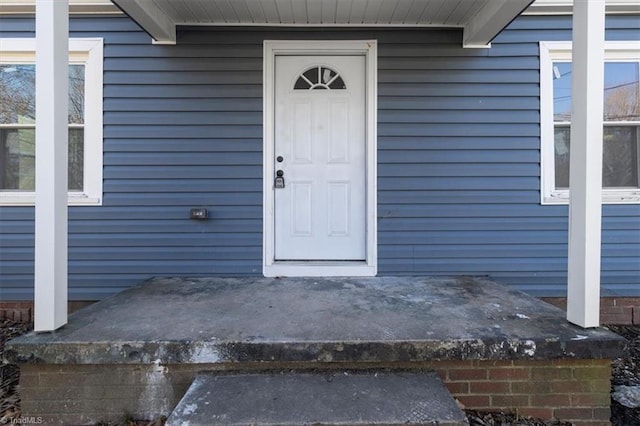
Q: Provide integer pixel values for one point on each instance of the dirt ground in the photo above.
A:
(626, 371)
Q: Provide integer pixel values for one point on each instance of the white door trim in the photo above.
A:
(368, 48)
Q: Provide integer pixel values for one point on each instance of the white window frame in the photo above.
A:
(555, 51)
(82, 51)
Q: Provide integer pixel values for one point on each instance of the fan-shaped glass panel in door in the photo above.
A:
(321, 78)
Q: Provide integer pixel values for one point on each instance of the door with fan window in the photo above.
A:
(319, 158)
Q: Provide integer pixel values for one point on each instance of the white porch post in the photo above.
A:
(52, 70)
(585, 180)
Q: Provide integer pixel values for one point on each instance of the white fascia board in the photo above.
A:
(492, 18)
(150, 18)
(565, 7)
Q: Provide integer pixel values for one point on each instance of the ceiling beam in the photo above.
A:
(492, 18)
(150, 18)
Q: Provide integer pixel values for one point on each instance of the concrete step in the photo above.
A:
(329, 398)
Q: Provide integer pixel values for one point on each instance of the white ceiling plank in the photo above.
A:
(400, 12)
(490, 20)
(177, 12)
(150, 17)
(272, 12)
(357, 11)
(212, 11)
(372, 11)
(285, 11)
(387, 9)
(329, 11)
(458, 12)
(426, 17)
(242, 11)
(228, 12)
(415, 11)
(314, 11)
(299, 11)
(471, 11)
(203, 12)
(343, 11)
(445, 11)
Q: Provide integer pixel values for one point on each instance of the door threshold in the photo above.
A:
(319, 268)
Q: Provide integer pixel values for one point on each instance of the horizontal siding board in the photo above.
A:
(476, 104)
(185, 158)
(504, 237)
(458, 161)
(457, 183)
(152, 65)
(458, 76)
(185, 185)
(456, 89)
(183, 78)
(209, 144)
(183, 199)
(129, 173)
(459, 156)
(185, 91)
(457, 63)
(386, 170)
(421, 116)
(116, 105)
(458, 143)
(457, 197)
(208, 118)
(173, 132)
(144, 50)
(459, 128)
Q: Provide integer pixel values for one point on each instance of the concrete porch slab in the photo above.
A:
(288, 320)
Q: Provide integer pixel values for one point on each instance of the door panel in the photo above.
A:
(320, 134)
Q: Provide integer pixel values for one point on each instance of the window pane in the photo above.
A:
(76, 159)
(561, 91)
(76, 94)
(17, 159)
(562, 156)
(18, 94)
(619, 162)
(621, 91)
(620, 157)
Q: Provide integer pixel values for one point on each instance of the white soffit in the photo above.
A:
(481, 20)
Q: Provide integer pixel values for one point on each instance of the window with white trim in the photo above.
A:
(18, 121)
(621, 141)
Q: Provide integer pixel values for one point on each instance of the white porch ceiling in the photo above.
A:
(481, 20)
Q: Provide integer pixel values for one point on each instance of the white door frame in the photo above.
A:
(367, 48)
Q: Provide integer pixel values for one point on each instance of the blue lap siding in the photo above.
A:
(458, 161)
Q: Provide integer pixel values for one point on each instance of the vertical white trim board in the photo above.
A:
(272, 48)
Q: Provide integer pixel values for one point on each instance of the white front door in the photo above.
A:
(320, 151)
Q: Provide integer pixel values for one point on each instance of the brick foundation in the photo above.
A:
(613, 310)
(16, 311)
(572, 390)
(22, 311)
